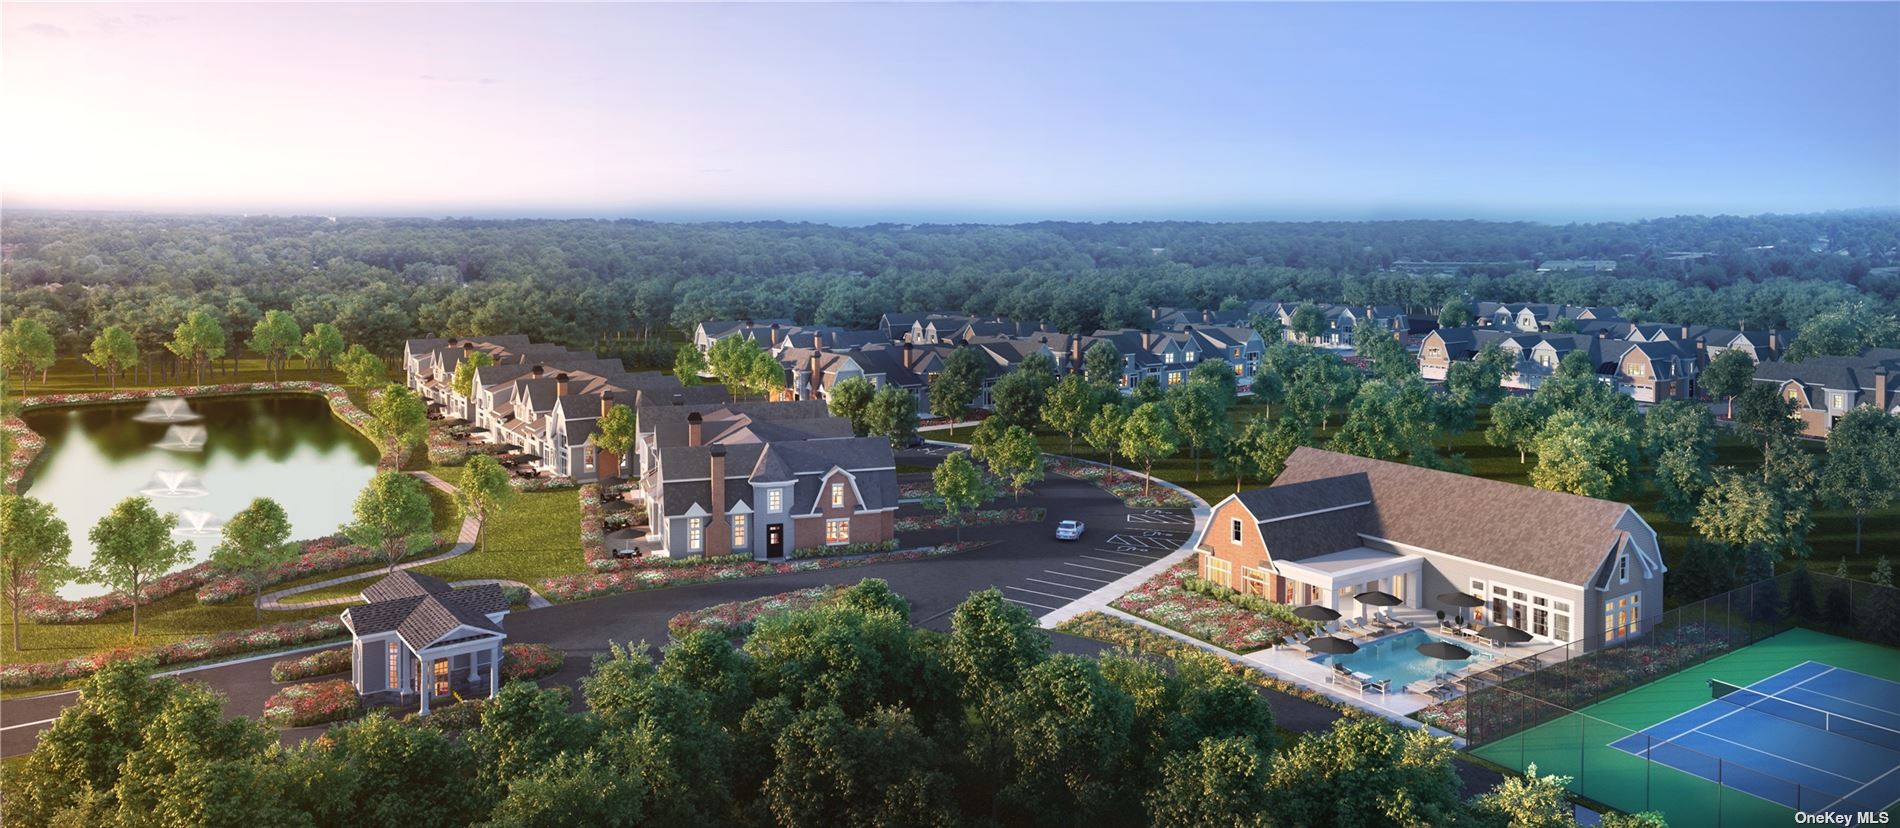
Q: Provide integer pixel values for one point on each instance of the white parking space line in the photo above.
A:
(1129, 555)
(1029, 604)
(1144, 542)
(1115, 572)
(28, 724)
(1077, 577)
(1130, 566)
(1043, 594)
(1155, 516)
(1082, 589)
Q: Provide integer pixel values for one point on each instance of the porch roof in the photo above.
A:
(1347, 566)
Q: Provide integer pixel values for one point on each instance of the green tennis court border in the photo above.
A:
(1577, 745)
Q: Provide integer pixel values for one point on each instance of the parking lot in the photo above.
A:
(1103, 555)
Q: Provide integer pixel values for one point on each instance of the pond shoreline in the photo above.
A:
(30, 444)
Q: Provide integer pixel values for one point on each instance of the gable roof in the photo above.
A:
(422, 609)
(1563, 537)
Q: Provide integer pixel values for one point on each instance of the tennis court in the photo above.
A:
(1609, 750)
(1817, 738)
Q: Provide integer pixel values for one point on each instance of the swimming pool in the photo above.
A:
(1397, 658)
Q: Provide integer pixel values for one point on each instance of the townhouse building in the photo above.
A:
(1825, 388)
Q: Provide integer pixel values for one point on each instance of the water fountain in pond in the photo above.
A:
(174, 483)
(196, 524)
(183, 438)
(167, 410)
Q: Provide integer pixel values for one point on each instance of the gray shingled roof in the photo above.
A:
(1560, 536)
(423, 618)
(404, 584)
(1276, 502)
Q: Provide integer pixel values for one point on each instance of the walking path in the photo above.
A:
(464, 541)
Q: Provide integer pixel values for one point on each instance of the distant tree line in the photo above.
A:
(619, 285)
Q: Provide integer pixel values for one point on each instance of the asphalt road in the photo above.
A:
(1024, 559)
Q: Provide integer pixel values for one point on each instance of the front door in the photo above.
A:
(775, 540)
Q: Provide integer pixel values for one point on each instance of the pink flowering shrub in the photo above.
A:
(529, 661)
(1448, 716)
(1122, 484)
(979, 517)
(314, 703)
(27, 445)
(734, 619)
(697, 571)
(320, 663)
(195, 648)
(543, 483)
(444, 448)
(52, 609)
(594, 531)
(319, 556)
(1166, 601)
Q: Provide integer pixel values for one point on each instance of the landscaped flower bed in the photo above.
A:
(843, 550)
(52, 609)
(1121, 484)
(1104, 627)
(1448, 716)
(529, 661)
(320, 663)
(444, 447)
(734, 619)
(540, 484)
(979, 517)
(319, 556)
(318, 702)
(27, 445)
(195, 648)
(632, 579)
(1165, 601)
(594, 530)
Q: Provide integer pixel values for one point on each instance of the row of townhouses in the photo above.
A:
(1826, 388)
(542, 398)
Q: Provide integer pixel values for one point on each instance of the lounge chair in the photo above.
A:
(1425, 687)
(1380, 686)
(1386, 620)
(1293, 640)
(1355, 627)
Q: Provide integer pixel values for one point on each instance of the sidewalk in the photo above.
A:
(464, 541)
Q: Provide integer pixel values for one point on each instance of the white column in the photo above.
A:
(494, 671)
(472, 660)
(425, 683)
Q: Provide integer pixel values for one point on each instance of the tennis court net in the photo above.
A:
(1799, 713)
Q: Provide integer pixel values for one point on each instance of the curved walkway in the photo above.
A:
(464, 541)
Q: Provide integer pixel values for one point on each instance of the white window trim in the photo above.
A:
(830, 522)
(1235, 534)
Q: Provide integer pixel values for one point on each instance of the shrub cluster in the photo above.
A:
(313, 703)
(320, 663)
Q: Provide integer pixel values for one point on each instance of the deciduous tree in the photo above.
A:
(959, 486)
(321, 345)
(133, 544)
(892, 414)
(1105, 430)
(1516, 422)
(33, 558)
(956, 385)
(198, 340)
(1148, 435)
(1862, 472)
(463, 382)
(1728, 374)
(113, 350)
(276, 337)
(255, 541)
(484, 488)
(390, 512)
(1070, 405)
(1583, 456)
(398, 419)
(849, 398)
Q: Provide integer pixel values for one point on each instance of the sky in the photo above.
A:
(971, 112)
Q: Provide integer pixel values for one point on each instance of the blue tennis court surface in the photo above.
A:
(1813, 737)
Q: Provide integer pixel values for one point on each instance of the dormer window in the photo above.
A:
(1623, 567)
(837, 495)
(1168, 358)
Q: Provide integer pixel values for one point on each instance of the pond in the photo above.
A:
(204, 462)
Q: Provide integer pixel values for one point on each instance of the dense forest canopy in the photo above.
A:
(579, 281)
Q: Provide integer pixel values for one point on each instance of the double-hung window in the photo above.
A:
(775, 500)
(695, 534)
(837, 531)
(837, 495)
(1236, 530)
(739, 537)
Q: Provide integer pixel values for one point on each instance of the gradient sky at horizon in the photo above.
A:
(863, 113)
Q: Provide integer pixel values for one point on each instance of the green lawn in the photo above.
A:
(71, 375)
(534, 536)
(1578, 745)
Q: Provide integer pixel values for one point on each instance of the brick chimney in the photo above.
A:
(1075, 354)
(693, 427)
(1774, 343)
(817, 341)
(718, 537)
(909, 357)
(1154, 314)
(560, 385)
(1880, 387)
(679, 399)
(1685, 333)
(775, 336)
(1207, 317)
(816, 377)
(536, 372)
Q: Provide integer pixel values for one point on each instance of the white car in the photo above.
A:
(1069, 530)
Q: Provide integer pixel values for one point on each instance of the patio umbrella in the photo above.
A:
(1315, 612)
(1443, 650)
(1378, 599)
(1329, 645)
(1459, 599)
(1504, 634)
